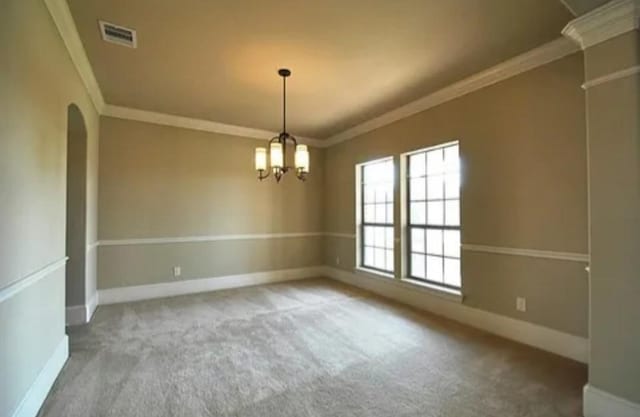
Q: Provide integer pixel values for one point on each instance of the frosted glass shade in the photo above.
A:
(277, 158)
(261, 159)
(302, 158)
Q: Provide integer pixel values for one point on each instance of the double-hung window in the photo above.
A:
(376, 215)
(433, 220)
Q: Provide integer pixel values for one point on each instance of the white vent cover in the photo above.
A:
(118, 34)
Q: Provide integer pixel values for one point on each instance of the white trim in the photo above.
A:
(81, 314)
(604, 23)
(533, 253)
(165, 119)
(567, 345)
(341, 235)
(537, 57)
(38, 391)
(612, 77)
(599, 403)
(14, 288)
(91, 306)
(170, 289)
(91, 246)
(63, 19)
(210, 238)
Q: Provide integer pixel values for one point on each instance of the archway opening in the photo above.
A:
(76, 229)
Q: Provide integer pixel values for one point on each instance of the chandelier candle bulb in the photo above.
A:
(277, 158)
(261, 159)
(302, 158)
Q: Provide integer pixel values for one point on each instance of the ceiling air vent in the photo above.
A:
(118, 34)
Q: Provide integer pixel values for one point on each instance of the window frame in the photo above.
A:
(406, 209)
(362, 223)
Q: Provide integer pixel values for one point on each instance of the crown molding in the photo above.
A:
(61, 15)
(165, 119)
(539, 56)
(603, 23)
(534, 58)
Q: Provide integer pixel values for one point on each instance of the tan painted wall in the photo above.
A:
(158, 181)
(37, 83)
(524, 157)
(614, 150)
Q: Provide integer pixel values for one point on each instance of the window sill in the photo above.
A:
(374, 273)
(446, 293)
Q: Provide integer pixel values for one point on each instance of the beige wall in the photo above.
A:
(614, 161)
(158, 181)
(523, 147)
(37, 83)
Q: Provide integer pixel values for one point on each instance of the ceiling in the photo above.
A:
(352, 60)
(580, 7)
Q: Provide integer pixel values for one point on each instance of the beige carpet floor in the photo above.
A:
(305, 348)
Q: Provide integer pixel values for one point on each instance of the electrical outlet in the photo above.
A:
(521, 304)
(337, 260)
(177, 271)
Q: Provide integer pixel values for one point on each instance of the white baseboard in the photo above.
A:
(598, 403)
(567, 345)
(92, 305)
(76, 315)
(37, 393)
(169, 289)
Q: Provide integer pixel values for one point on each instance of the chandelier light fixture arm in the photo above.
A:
(278, 147)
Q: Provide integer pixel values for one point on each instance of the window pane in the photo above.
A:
(390, 213)
(368, 256)
(434, 241)
(452, 272)
(388, 237)
(381, 215)
(369, 213)
(435, 212)
(435, 163)
(452, 186)
(451, 159)
(452, 243)
(379, 237)
(368, 236)
(369, 194)
(379, 260)
(452, 209)
(435, 187)
(434, 268)
(417, 240)
(416, 165)
(389, 254)
(381, 193)
(417, 266)
(417, 189)
(417, 215)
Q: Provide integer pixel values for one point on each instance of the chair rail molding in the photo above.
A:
(30, 279)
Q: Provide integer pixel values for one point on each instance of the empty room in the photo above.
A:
(410, 208)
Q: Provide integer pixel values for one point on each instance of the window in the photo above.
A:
(376, 215)
(433, 224)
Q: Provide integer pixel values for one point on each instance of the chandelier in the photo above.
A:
(278, 147)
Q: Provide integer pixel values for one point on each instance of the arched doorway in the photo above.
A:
(76, 232)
